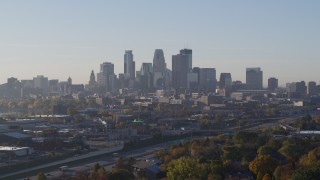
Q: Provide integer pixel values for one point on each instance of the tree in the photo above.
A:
(213, 176)
(217, 169)
(120, 174)
(262, 165)
(187, 168)
(264, 150)
(101, 173)
(274, 143)
(277, 173)
(41, 176)
(96, 167)
(317, 120)
(305, 174)
(294, 148)
(120, 164)
(266, 177)
(245, 137)
(71, 111)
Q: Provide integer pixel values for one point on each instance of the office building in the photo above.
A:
(180, 69)
(225, 81)
(54, 86)
(187, 52)
(129, 65)
(254, 79)
(106, 76)
(207, 79)
(159, 64)
(296, 89)
(312, 88)
(272, 84)
(145, 76)
(42, 83)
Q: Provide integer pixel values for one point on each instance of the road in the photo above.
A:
(106, 161)
(68, 160)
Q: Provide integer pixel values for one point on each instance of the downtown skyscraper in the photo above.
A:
(129, 65)
(188, 53)
(106, 77)
(180, 69)
(254, 78)
(159, 64)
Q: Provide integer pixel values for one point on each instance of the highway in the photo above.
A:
(106, 160)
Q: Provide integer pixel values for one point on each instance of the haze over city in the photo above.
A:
(70, 38)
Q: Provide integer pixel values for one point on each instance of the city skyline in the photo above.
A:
(38, 38)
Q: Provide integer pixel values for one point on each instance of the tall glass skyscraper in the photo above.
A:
(129, 65)
(187, 52)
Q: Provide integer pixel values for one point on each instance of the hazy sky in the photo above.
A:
(62, 38)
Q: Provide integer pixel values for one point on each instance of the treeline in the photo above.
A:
(261, 155)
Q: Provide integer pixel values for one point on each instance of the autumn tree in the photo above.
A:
(294, 148)
(187, 168)
(264, 150)
(262, 165)
(41, 176)
(306, 174)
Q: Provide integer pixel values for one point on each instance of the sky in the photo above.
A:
(60, 38)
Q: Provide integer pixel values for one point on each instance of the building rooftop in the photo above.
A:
(11, 148)
(17, 135)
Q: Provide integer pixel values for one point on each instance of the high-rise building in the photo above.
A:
(254, 78)
(107, 68)
(159, 64)
(54, 86)
(180, 69)
(161, 75)
(41, 83)
(225, 81)
(69, 81)
(207, 79)
(145, 76)
(312, 88)
(106, 76)
(188, 52)
(296, 89)
(129, 65)
(92, 80)
(272, 84)
(92, 85)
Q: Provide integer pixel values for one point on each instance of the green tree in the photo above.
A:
(245, 137)
(294, 148)
(187, 168)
